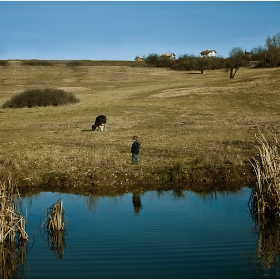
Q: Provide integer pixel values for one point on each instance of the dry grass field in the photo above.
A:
(196, 130)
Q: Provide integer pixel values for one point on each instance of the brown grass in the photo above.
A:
(193, 128)
(266, 197)
(12, 223)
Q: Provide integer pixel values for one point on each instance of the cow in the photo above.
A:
(100, 123)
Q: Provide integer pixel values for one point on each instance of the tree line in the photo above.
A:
(267, 56)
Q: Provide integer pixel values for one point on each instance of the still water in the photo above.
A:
(156, 235)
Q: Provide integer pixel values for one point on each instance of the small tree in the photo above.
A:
(202, 64)
(152, 59)
(273, 49)
(184, 63)
(237, 58)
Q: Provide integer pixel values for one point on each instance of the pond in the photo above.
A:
(151, 235)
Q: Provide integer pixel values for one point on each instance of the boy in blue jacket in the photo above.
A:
(135, 149)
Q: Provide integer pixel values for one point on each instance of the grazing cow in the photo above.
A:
(100, 123)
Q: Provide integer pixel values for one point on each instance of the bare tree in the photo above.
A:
(273, 49)
(237, 58)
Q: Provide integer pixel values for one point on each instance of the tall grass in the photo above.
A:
(266, 196)
(12, 222)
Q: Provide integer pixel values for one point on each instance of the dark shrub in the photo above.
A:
(152, 60)
(40, 98)
(34, 62)
(4, 63)
(74, 63)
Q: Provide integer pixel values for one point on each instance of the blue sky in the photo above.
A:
(122, 30)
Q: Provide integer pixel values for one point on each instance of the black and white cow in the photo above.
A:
(100, 123)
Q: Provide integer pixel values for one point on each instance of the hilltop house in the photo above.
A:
(138, 58)
(208, 53)
(168, 55)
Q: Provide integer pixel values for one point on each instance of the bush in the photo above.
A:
(36, 62)
(40, 98)
(4, 63)
(74, 63)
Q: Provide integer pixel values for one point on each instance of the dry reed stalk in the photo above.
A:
(12, 223)
(55, 217)
(266, 196)
(13, 236)
(12, 258)
(269, 240)
(55, 222)
(57, 242)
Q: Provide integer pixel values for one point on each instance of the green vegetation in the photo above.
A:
(40, 98)
(197, 131)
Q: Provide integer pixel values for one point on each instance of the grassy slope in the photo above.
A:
(190, 126)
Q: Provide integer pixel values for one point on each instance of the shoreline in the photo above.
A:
(196, 180)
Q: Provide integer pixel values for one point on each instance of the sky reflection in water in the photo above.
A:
(151, 235)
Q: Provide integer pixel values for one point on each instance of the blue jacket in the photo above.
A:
(135, 148)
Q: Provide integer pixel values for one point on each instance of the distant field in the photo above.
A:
(194, 128)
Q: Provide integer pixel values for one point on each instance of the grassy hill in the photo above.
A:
(197, 130)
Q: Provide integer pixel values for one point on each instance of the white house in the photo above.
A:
(168, 55)
(208, 53)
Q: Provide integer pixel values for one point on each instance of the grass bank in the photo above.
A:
(197, 130)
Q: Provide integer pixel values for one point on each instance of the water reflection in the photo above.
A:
(12, 259)
(268, 240)
(56, 241)
(55, 224)
(177, 234)
(136, 200)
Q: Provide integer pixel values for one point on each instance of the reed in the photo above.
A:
(55, 217)
(268, 247)
(265, 198)
(12, 223)
(57, 242)
(13, 236)
(12, 258)
(55, 223)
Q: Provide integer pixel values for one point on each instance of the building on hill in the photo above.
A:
(168, 55)
(208, 53)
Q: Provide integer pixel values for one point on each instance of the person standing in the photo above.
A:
(135, 149)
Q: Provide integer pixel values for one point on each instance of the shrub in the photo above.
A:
(74, 63)
(4, 63)
(34, 62)
(40, 98)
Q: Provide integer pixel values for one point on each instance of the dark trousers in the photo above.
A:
(134, 159)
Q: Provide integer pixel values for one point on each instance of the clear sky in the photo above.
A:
(122, 30)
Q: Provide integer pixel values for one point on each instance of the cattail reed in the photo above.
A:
(268, 247)
(55, 217)
(12, 258)
(12, 223)
(55, 226)
(13, 236)
(266, 196)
